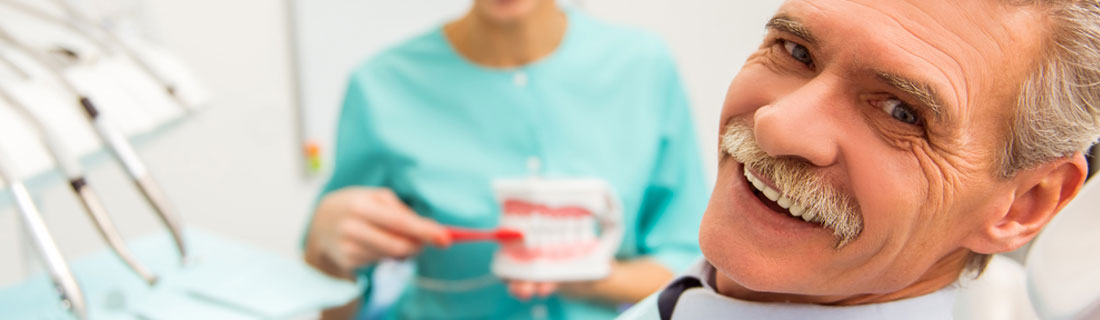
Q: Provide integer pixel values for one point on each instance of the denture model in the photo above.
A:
(571, 228)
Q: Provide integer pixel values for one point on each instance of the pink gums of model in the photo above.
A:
(561, 233)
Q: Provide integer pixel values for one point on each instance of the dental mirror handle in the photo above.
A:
(107, 229)
(93, 206)
(73, 172)
(71, 297)
(138, 173)
(79, 23)
(115, 142)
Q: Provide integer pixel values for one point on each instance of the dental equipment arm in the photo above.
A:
(117, 143)
(77, 23)
(70, 167)
(71, 297)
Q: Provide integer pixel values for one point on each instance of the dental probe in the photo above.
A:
(117, 143)
(74, 25)
(71, 297)
(70, 167)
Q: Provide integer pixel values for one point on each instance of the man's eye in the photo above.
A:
(901, 111)
(798, 52)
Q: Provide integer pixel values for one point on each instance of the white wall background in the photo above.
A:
(709, 38)
(235, 169)
(232, 170)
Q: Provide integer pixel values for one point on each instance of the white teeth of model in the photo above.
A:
(784, 202)
(553, 227)
(578, 230)
(807, 216)
(797, 210)
(590, 227)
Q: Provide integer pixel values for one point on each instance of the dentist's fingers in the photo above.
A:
(386, 243)
(545, 288)
(349, 256)
(392, 244)
(525, 290)
(363, 244)
(356, 226)
(394, 216)
(522, 290)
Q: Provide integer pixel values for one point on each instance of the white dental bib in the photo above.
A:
(704, 302)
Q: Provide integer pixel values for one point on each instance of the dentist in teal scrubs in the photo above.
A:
(427, 125)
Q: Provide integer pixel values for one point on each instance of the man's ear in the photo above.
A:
(1040, 193)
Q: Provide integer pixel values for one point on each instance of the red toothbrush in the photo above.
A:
(499, 235)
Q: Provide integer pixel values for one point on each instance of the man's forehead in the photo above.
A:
(947, 25)
(931, 49)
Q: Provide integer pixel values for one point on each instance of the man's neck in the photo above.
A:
(943, 273)
(508, 45)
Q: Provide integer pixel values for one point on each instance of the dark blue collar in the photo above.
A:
(666, 301)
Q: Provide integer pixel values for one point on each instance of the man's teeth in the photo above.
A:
(797, 210)
(771, 194)
(774, 195)
(784, 202)
(768, 192)
(807, 216)
(756, 182)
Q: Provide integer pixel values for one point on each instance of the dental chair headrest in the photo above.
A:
(1063, 264)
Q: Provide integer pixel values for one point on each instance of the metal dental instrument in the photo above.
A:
(70, 167)
(79, 24)
(71, 297)
(116, 142)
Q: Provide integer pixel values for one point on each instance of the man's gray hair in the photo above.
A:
(1058, 106)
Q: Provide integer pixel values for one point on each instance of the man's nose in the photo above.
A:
(803, 124)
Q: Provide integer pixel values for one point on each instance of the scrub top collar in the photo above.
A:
(572, 17)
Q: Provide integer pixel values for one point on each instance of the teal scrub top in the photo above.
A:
(607, 103)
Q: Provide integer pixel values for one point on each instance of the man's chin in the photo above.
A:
(738, 262)
(762, 277)
(755, 282)
(755, 247)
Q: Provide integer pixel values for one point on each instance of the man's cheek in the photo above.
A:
(940, 178)
(888, 184)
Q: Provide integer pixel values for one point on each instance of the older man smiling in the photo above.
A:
(874, 151)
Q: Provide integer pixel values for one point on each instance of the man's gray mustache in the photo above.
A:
(796, 180)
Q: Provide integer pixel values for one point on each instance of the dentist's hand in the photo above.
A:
(629, 282)
(354, 227)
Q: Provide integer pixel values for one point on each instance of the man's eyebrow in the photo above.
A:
(791, 25)
(922, 91)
